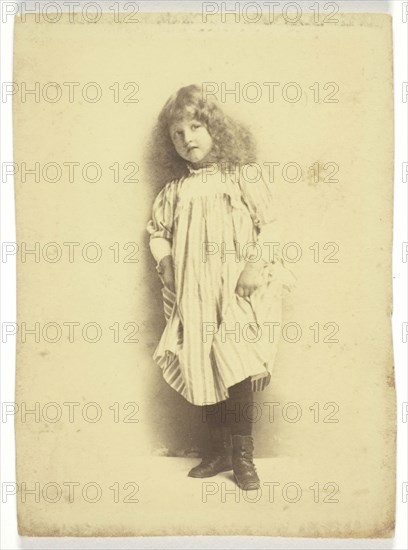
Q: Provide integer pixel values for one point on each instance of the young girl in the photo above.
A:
(211, 234)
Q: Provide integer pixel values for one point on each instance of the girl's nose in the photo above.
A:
(187, 136)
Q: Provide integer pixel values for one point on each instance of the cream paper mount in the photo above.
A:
(108, 447)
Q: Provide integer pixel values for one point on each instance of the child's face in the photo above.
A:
(191, 139)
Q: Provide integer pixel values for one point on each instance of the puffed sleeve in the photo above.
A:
(160, 226)
(257, 194)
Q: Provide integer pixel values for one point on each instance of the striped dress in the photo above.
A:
(213, 338)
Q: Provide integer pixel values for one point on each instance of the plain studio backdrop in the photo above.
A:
(328, 412)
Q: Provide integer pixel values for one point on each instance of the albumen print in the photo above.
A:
(204, 227)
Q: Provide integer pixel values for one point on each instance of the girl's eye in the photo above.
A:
(195, 126)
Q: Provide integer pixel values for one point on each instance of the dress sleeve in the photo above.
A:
(258, 197)
(160, 226)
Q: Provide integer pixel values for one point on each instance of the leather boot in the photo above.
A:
(242, 462)
(218, 459)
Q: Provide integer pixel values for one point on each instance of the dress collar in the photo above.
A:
(210, 167)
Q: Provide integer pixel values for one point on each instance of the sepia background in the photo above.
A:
(349, 383)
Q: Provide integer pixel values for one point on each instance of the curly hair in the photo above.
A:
(233, 143)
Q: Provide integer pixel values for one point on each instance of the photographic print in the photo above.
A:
(204, 208)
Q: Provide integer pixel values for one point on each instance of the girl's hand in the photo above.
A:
(249, 280)
(165, 270)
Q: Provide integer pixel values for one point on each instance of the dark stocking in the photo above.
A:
(235, 411)
(238, 408)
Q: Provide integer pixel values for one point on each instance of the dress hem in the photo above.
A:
(173, 377)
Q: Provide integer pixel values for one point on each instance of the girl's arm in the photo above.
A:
(257, 195)
(160, 228)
